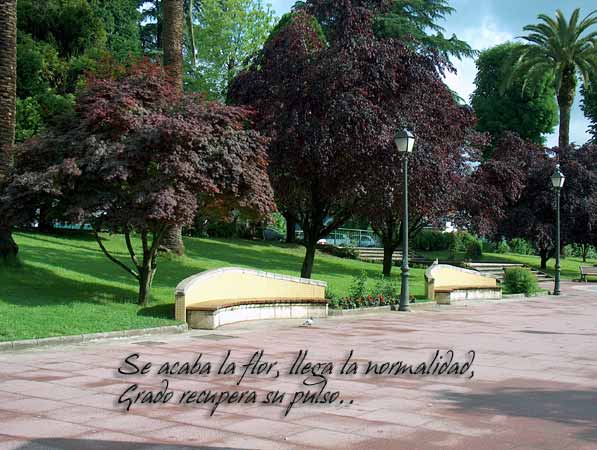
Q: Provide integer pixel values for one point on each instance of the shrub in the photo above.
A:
(340, 252)
(518, 280)
(503, 247)
(522, 247)
(432, 240)
(460, 241)
(474, 250)
(358, 286)
(384, 288)
(578, 250)
(330, 294)
(488, 246)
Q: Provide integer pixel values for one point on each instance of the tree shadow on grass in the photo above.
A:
(34, 286)
(85, 264)
(161, 311)
(54, 239)
(568, 407)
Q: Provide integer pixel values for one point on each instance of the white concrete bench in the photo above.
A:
(222, 296)
(445, 284)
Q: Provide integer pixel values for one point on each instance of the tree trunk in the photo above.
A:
(8, 94)
(44, 224)
(307, 268)
(544, 258)
(145, 281)
(565, 101)
(172, 241)
(290, 230)
(172, 37)
(388, 262)
(585, 252)
(8, 247)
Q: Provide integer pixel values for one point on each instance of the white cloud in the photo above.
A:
(480, 37)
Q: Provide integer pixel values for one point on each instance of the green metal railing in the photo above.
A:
(349, 237)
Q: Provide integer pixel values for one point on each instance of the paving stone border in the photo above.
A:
(7, 346)
(370, 309)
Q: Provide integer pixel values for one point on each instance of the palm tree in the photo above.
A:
(564, 49)
(8, 94)
(172, 40)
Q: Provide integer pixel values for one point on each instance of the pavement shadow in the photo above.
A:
(91, 444)
(568, 407)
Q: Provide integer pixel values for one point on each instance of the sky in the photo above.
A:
(485, 23)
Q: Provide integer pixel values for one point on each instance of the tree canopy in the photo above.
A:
(415, 22)
(589, 107)
(561, 48)
(517, 181)
(530, 114)
(332, 114)
(228, 33)
(138, 156)
(58, 42)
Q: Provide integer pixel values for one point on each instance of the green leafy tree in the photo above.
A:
(151, 26)
(589, 107)
(529, 114)
(564, 49)
(227, 33)
(416, 21)
(59, 41)
(120, 19)
(72, 26)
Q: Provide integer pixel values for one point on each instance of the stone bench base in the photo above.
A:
(211, 318)
(446, 297)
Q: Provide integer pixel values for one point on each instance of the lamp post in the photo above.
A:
(557, 180)
(405, 142)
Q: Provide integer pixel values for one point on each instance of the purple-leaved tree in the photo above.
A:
(138, 157)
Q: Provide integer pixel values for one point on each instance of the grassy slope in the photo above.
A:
(67, 286)
(570, 265)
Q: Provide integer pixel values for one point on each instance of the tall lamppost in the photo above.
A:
(557, 180)
(405, 142)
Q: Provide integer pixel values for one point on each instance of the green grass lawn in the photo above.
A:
(569, 265)
(65, 285)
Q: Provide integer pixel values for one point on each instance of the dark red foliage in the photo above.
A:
(579, 195)
(331, 95)
(511, 195)
(498, 183)
(139, 156)
(137, 153)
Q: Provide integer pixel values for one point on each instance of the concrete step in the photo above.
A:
(497, 270)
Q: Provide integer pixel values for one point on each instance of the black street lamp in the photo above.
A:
(405, 142)
(557, 180)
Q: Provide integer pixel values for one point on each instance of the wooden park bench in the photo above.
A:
(227, 295)
(586, 271)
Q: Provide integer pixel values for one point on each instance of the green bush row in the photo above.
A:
(457, 243)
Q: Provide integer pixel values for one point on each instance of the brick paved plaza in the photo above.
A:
(534, 384)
